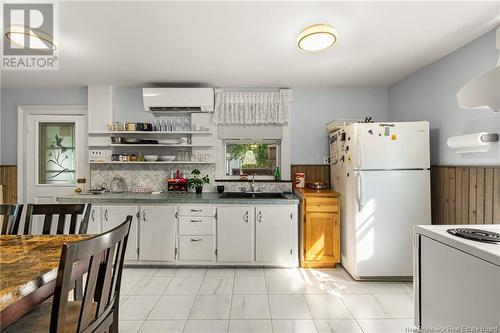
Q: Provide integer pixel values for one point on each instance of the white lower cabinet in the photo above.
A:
(94, 226)
(229, 234)
(273, 233)
(112, 216)
(157, 233)
(196, 248)
(235, 233)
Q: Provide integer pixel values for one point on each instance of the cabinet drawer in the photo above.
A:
(197, 210)
(330, 205)
(196, 225)
(194, 248)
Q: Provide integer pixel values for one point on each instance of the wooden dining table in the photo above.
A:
(28, 271)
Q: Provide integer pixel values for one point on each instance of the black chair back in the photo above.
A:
(11, 218)
(49, 210)
(103, 257)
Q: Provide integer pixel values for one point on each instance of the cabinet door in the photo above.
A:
(273, 233)
(113, 216)
(157, 233)
(235, 240)
(321, 236)
(94, 226)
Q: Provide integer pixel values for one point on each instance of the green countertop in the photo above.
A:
(166, 198)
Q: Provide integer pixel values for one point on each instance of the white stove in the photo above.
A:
(457, 279)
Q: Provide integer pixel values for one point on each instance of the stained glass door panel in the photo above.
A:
(56, 153)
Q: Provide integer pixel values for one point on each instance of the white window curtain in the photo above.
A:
(252, 108)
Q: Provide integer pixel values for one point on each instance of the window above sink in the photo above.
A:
(251, 157)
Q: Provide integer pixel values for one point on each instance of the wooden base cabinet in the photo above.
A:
(319, 228)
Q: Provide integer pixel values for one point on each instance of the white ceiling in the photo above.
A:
(245, 44)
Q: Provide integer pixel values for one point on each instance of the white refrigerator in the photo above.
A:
(382, 173)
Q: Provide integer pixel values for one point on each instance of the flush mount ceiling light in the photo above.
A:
(317, 37)
(38, 40)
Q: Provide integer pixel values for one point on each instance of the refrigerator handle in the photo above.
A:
(359, 188)
(358, 154)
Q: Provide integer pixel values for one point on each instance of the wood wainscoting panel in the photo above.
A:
(465, 194)
(8, 180)
(319, 172)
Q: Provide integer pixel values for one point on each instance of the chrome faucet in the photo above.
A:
(252, 187)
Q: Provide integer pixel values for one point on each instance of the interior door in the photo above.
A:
(273, 233)
(54, 156)
(235, 233)
(388, 205)
(113, 216)
(157, 233)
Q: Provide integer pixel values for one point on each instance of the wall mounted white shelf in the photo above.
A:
(113, 133)
(148, 145)
(153, 162)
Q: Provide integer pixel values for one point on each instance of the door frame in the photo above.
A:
(27, 110)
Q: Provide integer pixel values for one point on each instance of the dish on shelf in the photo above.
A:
(116, 140)
(148, 142)
(132, 140)
(169, 141)
(151, 158)
(167, 158)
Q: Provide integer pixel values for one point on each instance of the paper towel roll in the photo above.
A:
(470, 143)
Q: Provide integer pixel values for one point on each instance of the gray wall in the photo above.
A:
(430, 94)
(11, 98)
(313, 108)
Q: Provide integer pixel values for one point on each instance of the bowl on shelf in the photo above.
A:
(167, 158)
(116, 140)
(151, 158)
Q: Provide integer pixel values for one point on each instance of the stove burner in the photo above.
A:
(476, 235)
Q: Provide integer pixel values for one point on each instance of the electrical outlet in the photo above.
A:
(326, 159)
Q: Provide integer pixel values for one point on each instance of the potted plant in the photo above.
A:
(197, 182)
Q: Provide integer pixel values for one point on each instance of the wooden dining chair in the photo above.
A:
(11, 217)
(62, 210)
(102, 257)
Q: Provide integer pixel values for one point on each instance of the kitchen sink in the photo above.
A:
(250, 195)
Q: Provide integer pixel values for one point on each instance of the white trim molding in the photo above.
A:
(25, 110)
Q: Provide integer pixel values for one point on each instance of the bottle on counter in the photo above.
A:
(277, 174)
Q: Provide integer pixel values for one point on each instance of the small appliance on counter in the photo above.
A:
(118, 185)
(177, 183)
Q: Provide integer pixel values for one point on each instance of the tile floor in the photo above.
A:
(242, 300)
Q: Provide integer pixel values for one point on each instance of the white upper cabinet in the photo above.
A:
(273, 233)
(157, 233)
(235, 233)
(100, 107)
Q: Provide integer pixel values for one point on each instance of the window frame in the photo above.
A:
(225, 142)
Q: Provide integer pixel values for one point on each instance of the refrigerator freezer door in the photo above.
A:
(388, 146)
(387, 205)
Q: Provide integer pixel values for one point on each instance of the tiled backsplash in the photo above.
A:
(155, 176)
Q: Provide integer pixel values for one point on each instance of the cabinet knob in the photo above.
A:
(196, 221)
(246, 216)
(144, 216)
(106, 214)
(259, 216)
(196, 239)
